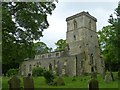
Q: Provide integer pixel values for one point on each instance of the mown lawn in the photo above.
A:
(81, 82)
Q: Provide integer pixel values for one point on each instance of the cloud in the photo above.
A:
(58, 26)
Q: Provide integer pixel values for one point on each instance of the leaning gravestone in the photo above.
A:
(108, 78)
(14, 83)
(28, 83)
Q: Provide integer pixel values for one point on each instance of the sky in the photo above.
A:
(100, 9)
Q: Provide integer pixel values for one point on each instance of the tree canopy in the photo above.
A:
(109, 39)
(22, 23)
(61, 44)
(41, 48)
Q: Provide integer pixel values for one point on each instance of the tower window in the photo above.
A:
(89, 24)
(74, 37)
(75, 24)
(91, 59)
(30, 67)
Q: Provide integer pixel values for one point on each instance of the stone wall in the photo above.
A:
(83, 54)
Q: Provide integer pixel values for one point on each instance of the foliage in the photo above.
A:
(38, 71)
(109, 39)
(12, 72)
(49, 77)
(61, 44)
(41, 48)
(22, 23)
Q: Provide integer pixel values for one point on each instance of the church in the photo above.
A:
(82, 54)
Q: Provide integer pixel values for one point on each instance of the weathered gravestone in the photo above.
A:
(93, 83)
(14, 83)
(59, 81)
(119, 74)
(119, 79)
(28, 82)
(108, 78)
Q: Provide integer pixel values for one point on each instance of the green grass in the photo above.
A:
(81, 82)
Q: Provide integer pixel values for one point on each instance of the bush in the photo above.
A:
(37, 71)
(12, 72)
(49, 76)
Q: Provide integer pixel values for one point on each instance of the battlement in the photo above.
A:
(80, 14)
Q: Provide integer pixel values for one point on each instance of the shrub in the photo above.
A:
(37, 71)
(12, 72)
(49, 76)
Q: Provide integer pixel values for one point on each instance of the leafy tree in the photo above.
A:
(41, 48)
(109, 38)
(115, 24)
(61, 44)
(22, 23)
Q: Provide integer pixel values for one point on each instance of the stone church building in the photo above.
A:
(82, 55)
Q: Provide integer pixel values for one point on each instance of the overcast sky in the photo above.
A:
(58, 27)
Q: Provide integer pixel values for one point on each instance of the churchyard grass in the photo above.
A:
(81, 82)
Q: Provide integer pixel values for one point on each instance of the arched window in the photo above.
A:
(89, 24)
(75, 24)
(91, 59)
(49, 55)
(30, 67)
(74, 37)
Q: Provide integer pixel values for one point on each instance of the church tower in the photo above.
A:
(82, 42)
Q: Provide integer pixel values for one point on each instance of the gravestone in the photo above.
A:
(119, 74)
(108, 78)
(28, 82)
(14, 83)
(93, 75)
(74, 79)
(93, 84)
(59, 81)
(119, 79)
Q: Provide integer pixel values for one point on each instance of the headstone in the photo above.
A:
(14, 83)
(74, 79)
(119, 74)
(119, 79)
(59, 81)
(28, 82)
(93, 75)
(93, 84)
(108, 78)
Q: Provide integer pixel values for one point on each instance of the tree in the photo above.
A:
(109, 39)
(61, 44)
(106, 46)
(22, 23)
(115, 24)
(41, 48)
